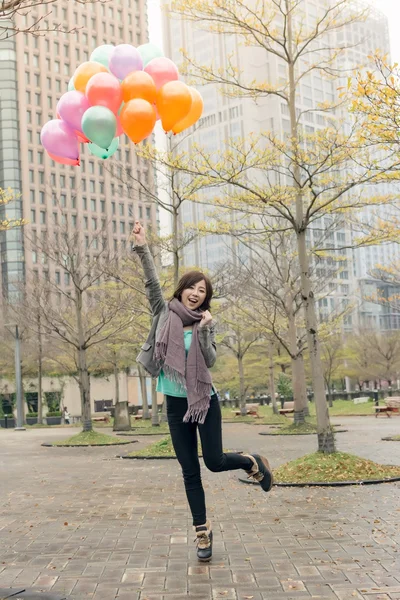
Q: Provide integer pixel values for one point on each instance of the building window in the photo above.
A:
(40, 158)
(62, 180)
(74, 220)
(122, 227)
(38, 99)
(55, 218)
(92, 186)
(41, 177)
(94, 224)
(53, 179)
(58, 277)
(121, 210)
(103, 206)
(42, 217)
(41, 197)
(66, 278)
(93, 205)
(33, 215)
(28, 116)
(63, 199)
(31, 176)
(113, 208)
(148, 212)
(91, 166)
(114, 226)
(30, 156)
(84, 203)
(85, 222)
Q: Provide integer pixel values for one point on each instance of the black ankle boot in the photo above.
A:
(204, 540)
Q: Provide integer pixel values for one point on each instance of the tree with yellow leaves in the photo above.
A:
(7, 196)
(292, 181)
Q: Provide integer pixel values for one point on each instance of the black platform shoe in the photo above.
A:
(204, 540)
(261, 471)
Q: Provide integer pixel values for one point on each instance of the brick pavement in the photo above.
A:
(81, 522)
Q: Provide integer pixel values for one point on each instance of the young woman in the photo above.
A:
(179, 351)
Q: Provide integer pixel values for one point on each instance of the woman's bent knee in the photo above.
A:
(215, 464)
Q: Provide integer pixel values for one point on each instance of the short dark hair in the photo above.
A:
(191, 278)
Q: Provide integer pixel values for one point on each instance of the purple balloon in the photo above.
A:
(71, 107)
(125, 59)
(59, 139)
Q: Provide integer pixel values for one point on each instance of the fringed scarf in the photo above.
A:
(190, 373)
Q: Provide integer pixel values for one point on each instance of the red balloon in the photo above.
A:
(73, 162)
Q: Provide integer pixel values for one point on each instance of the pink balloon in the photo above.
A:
(59, 139)
(103, 89)
(162, 70)
(73, 162)
(125, 59)
(71, 108)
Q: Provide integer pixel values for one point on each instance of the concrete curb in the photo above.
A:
(88, 445)
(328, 483)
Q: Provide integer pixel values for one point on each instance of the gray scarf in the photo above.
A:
(190, 373)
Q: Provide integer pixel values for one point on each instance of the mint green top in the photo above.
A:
(171, 388)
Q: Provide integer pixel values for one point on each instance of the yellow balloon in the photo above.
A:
(194, 114)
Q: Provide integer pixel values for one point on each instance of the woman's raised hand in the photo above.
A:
(138, 234)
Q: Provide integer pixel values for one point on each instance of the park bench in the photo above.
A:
(251, 409)
(105, 418)
(288, 409)
(392, 406)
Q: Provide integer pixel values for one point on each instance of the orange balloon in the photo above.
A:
(139, 85)
(138, 118)
(193, 115)
(84, 72)
(173, 103)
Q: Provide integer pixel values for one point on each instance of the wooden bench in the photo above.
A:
(104, 418)
(288, 409)
(392, 406)
(361, 400)
(251, 409)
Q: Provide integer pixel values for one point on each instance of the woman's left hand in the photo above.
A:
(206, 319)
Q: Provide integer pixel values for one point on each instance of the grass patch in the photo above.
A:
(339, 466)
(393, 438)
(292, 429)
(347, 407)
(162, 448)
(89, 438)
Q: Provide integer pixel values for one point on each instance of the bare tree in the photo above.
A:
(30, 16)
(79, 303)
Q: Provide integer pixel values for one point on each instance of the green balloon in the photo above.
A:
(148, 52)
(99, 125)
(71, 87)
(101, 153)
(102, 54)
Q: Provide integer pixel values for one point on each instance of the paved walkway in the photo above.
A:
(84, 523)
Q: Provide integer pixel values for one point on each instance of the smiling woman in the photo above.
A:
(179, 351)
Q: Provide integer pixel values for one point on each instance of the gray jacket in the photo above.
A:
(159, 308)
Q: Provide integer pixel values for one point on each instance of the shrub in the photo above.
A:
(31, 414)
(54, 413)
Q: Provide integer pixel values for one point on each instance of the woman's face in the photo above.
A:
(194, 296)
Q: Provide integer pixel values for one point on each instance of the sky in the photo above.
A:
(392, 9)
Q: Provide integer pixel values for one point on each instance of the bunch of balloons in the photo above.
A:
(121, 89)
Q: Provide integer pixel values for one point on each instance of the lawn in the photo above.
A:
(336, 467)
(163, 448)
(347, 408)
(90, 438)
(267, 417)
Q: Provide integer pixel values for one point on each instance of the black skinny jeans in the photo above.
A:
(184, 440)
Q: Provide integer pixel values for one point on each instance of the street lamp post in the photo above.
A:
(18, 377)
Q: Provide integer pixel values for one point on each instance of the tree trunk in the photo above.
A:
(40, 376)
(330, 399)
(175, 242)
(83, 373)
(163, 416)
(143, 389)
(84, 385)
(242, 398)
(298, 373)
(154, 408)
(116, 380)
(272, 383)
(326, 441)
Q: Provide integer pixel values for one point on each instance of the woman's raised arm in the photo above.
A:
(153, 288)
